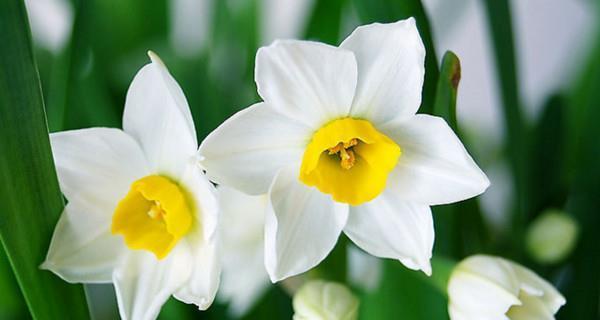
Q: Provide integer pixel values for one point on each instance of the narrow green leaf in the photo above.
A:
(12, 305)
(29, 192)
(582, 284)
(325, 21)
(393, 10)
(500, 25)
(403, 294)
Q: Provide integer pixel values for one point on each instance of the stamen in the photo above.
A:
(347, 158)
(156, 211)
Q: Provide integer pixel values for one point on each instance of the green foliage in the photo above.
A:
(29, 193)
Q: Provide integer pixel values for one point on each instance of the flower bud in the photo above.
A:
(322, 300)
(551, 236)
(486, 287)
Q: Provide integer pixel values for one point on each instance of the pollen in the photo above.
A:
(344, 149)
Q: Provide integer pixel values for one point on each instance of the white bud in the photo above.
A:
(321, 300)
(551, 236)
(486, 287)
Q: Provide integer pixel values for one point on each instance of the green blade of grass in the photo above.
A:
(500, 27)
(393, 10)
(29, 192)
(325, 21)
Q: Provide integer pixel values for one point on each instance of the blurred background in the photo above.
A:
(527, 108)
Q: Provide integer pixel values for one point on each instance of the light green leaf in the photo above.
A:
(29, 192)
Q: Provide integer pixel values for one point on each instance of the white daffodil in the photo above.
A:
(321, 300)
(244, 278)
(485, 287)
(338, 147)
(140, 213)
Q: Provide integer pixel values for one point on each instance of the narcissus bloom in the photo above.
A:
(486, 287)
(338, 147)
(140, 213)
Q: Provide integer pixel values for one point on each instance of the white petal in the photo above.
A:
(434, 167)
(248, 149)
(143, 283)
(98, 163)
(474, 297)
(245, 278)
(551, 298)
(158, 117)
(82, 247)
(391, 68)
(203, 283)
(204, 199)
(387, 227)
(302, 226)
(309, 81)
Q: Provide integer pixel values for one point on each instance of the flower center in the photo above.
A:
(153, 216)
(349, 159)
(344, 149)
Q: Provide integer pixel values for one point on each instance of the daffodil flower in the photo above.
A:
(140, 213)
(338, 147)
(487, 287)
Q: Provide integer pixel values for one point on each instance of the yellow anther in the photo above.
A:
(347, 158)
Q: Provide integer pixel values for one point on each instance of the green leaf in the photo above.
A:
(393, 10)
(500, 24)
(325, 21)
(581, 283)
(12, 305)
(403, 294)
(29, 192)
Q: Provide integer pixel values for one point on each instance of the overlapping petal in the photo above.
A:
(204, 201)
(434, 168)
(391, 69)
(302, 226)
(157, 115)
(82, 247)
(487, 287)
(309, 81)
(388, 227)
(247, 150)
(201, 287)
(98, 164)
(143, 283)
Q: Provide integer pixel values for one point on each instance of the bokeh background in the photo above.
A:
(528, 110)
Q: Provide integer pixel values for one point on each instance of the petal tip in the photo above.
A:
(155, 58)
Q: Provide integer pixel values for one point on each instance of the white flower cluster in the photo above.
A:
(335, 147)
